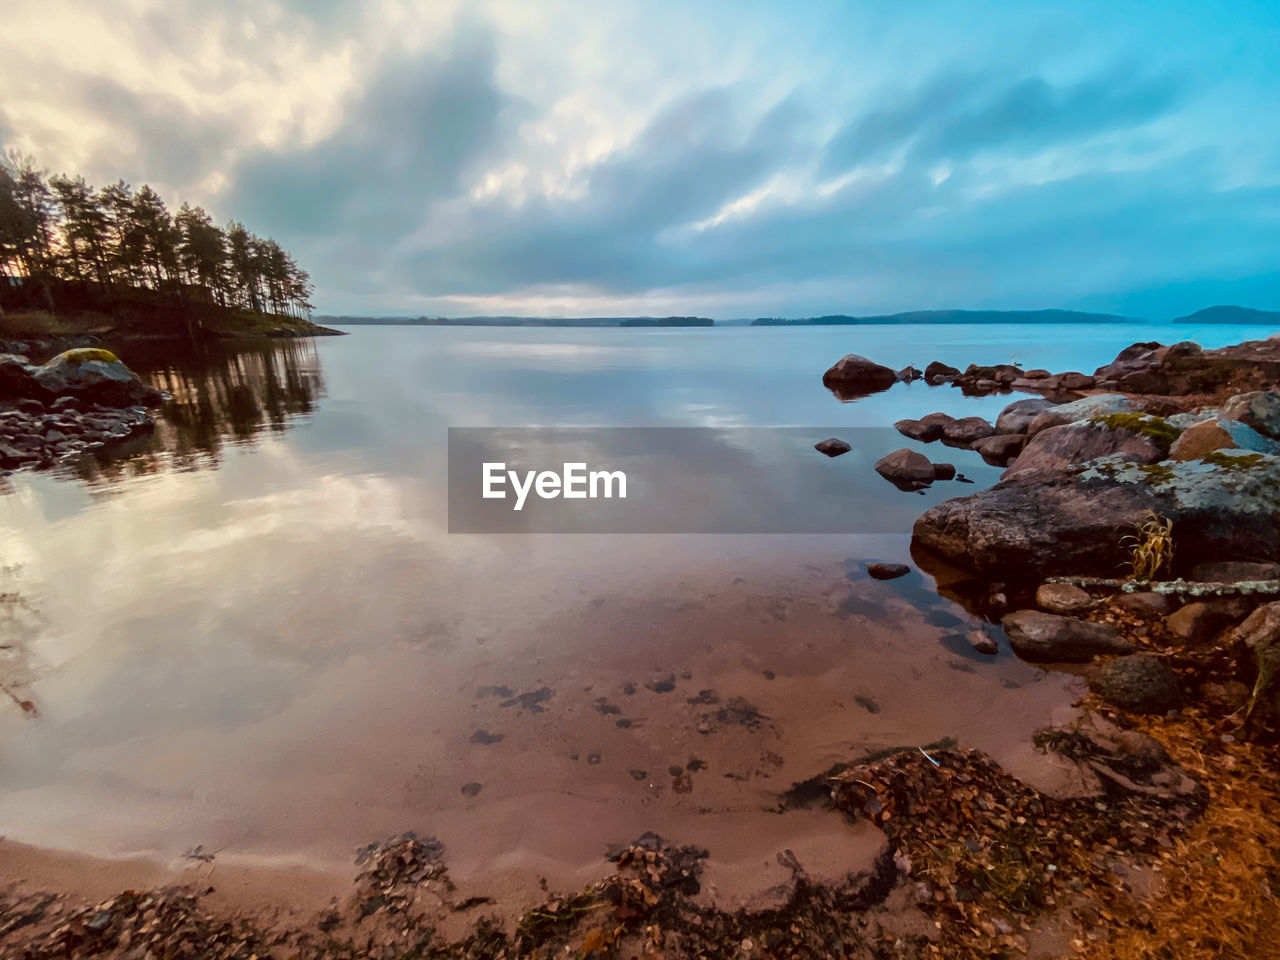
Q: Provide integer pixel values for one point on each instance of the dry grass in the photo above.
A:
(1150, 546)
(1219, 889)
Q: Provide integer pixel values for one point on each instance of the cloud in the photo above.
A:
(419, 159)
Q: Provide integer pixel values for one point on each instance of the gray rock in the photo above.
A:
(1146, 604)
(905, 466)
(1042, 523)
(1222, 434)
(1017, 416)
(1259, 410)
(1064, 598)
(1035, 635)
(832, 447)
(1000, 450)
(1141, 683)
(1096, 406)
(964, 431)
(94, 376)
(1056, 448)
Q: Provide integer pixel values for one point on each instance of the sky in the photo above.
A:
(724, 159)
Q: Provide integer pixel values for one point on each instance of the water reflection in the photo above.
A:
(222, 394)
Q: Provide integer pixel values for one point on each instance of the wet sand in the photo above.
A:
(532, 735)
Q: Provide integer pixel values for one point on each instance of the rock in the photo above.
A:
(1017, 416)
(1101, 405)
(1141, 683)
(1259, 410)
(964, 431)
(1259, 635)
(1000, 450)
(1189, 419)
(944, 471)
(1227, 697)
(905, 466)
(1056, 448)
(1203, 438)
(1233, 571)
(937, 372)
(1064, 598)
(30, 405)
(1197, 622)
(1035, 635)
(908, 374)
(65, 403)
(1041, 523)
(832, 447)
(1147, 605)
(983, 642)
(94, 376)
(919, 430)
(853, 376)
(887, 571)
(1075, 381)
(17, 377)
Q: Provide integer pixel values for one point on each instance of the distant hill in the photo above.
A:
(522, 321)
(1229, 314)
(952, 316)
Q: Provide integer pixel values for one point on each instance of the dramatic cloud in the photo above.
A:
(560, 157)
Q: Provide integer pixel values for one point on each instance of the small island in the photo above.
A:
(76, 260)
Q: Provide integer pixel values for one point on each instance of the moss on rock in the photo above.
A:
(1154, 428)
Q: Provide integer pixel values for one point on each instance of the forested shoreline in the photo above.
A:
(67, 247)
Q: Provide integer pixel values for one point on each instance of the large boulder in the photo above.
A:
(855, 376)
(1128, 436)
(1259, 410)
(1099, 405)
(95, 376)
(1221, 434)
(1048, 637)
(1040, 523)
(1017, 416)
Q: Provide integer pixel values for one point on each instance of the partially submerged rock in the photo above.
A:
(1040, 636)
(906, 467)
(964, 431)
(832, 447)
(1000, 450)
(854, 375)
(1041, 523)
(887, 571)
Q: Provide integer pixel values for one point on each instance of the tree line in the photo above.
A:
(60, 229)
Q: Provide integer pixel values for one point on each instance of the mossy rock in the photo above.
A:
(1154, 428)
(87, 354)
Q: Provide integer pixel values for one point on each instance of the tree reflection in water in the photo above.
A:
(222, 394)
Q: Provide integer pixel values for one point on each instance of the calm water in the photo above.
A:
(255, 632)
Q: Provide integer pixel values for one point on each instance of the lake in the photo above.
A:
(255, 633)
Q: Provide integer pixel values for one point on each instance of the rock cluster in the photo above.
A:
(33, 435)
(90, 374)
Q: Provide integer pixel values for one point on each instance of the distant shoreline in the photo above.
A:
(1210, 315)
